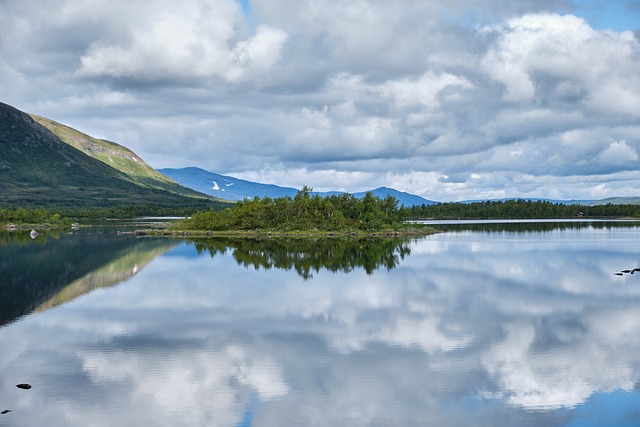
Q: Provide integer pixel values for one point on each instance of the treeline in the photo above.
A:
(303, 212)
(331, 213)
(61, 216)
(518, 209)
(31, 216)
(135, 211)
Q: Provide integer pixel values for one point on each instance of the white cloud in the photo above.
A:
(551, 56)
(618, 153)
(196, 41)
(368, 89)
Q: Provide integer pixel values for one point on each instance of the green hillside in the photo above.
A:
(38, 169)
(116, 156)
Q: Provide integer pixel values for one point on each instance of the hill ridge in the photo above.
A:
(38, 169)
(116, 156)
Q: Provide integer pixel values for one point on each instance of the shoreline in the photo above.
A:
(413, 232)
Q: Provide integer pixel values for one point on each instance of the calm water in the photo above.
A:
(496, 325)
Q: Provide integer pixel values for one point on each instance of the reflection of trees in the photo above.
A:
(21, 237)
(308, 255)
(527, 227)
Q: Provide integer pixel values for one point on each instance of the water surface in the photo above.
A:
(523, 325)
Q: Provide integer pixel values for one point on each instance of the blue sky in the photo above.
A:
(448, 100)
(618, 15)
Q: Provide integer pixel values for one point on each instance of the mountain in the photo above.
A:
(37, 168)
(117, 156)
(230, 188)
(406, 199)
(531, 199)
(582, 202)
(613, 201)
(225, 187)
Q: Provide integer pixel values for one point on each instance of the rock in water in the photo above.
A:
(6, 411)
(24, 386)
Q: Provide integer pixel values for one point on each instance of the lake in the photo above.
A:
(520, 324)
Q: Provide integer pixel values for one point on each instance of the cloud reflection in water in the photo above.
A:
(470, 329)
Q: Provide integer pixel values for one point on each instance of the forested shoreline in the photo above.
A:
(32, 216)
(519, 209)
(335, 213)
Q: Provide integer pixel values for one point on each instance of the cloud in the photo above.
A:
(195, 41)
(552, 58)
(618, 153)
(511, 92)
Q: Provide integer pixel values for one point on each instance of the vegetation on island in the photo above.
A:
(303, 212)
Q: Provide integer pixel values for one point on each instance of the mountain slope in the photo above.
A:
(230, 188)
(38, 169)
(116, 156)
(406, 199)
(225, 187)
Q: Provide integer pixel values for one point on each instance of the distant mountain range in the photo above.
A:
(230, 188)
(234, 189)
(582, 202)
(46, 164)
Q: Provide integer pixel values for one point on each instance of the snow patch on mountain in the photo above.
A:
(237, 189)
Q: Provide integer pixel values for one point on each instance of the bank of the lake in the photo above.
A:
(181, 233)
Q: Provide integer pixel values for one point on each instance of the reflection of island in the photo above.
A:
(308, 255)
(50, 271)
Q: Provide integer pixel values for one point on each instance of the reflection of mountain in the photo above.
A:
(307, 255)
(49, 272)
(110, 274)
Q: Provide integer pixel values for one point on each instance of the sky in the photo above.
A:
(450, 100)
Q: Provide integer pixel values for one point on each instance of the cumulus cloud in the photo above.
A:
(521, 94)
(194, 41)
(553, 58)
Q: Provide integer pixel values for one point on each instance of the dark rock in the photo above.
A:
(24, 386)
(618, 274)
(6, 411)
